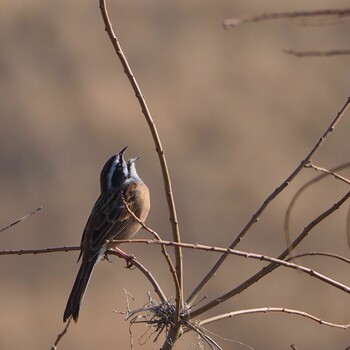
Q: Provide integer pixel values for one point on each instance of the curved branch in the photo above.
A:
(329, 255)
(145, 271)
(302, 189)
(159, 149)
(272, 309)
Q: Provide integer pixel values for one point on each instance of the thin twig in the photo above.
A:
(205, 331)
(316, 53)
(272, 309)
(267, 201)
(146, 273)
(60, 336)
(159, 149)
(211, 342)
(21, 219)
(301, 190)
(233, 22)
(39, 251)
(329, 172)
(329, 255)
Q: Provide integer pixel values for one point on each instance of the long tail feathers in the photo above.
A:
(77, 294)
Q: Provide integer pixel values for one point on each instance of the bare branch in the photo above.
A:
(145, 271)
(21, 219)
(317, 53)
(337, 13)
(159, 149)
(267, 201)
(39, 251)
(272, 309)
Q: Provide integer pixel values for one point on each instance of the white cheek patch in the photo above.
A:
(125, 171)
(110, 173)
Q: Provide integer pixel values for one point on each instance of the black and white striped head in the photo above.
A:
(114, 172)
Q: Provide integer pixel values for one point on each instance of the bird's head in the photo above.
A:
(114, 172)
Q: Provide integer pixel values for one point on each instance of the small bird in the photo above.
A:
(121, 188)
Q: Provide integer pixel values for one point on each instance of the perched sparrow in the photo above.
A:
(109, 219)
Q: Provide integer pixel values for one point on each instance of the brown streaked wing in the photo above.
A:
(107, 220)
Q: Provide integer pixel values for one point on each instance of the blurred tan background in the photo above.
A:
(236, 115)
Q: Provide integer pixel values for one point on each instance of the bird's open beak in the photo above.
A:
(123, 150)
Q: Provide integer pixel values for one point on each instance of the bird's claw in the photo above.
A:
(129, 260)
